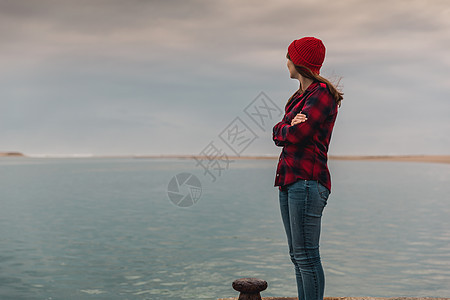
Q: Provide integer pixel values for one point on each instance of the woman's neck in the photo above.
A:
(304, 82)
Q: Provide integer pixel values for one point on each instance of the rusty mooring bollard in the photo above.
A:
(249, 288)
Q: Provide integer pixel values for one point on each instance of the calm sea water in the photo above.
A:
(105, 229)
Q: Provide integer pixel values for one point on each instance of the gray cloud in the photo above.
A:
(87, 71)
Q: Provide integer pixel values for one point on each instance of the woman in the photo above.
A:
(302, 175)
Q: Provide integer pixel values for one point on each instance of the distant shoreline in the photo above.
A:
(392, 158)
(14, 154)
(445, 159)
(397, 158)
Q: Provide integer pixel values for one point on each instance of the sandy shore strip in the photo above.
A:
(397, 158)
(393, 158)
(407, 158)
(347, 298)
(9, 154)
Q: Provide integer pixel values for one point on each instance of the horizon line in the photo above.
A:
(437, 158)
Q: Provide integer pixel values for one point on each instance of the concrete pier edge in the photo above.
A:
(348, 298)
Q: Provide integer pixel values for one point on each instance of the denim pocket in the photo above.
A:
(316, 199)
(324, 193)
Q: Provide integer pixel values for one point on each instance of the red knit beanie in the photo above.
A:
(308, 52)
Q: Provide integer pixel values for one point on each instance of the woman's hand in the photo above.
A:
(299, 118)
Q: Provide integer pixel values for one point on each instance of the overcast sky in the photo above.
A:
(109, 77)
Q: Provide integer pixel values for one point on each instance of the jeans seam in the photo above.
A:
(308, 189)
(305, 208)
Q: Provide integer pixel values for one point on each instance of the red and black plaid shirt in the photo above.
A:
(305, 145)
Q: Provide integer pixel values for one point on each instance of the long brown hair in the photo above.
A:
(306, 72)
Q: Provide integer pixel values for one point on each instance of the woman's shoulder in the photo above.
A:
(322, 89)
(321, 93)
(323, 85)
(317, 85)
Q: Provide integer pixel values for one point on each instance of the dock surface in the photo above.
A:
(348, 298)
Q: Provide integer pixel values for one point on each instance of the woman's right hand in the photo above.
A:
(299, 118)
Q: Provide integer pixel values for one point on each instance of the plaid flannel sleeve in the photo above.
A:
(276, 129)
(317, 108)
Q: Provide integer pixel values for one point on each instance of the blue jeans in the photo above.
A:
(301, 205)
